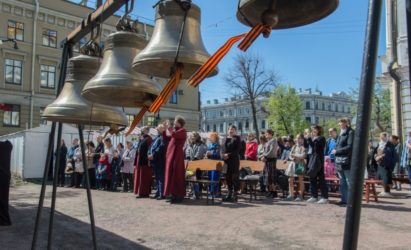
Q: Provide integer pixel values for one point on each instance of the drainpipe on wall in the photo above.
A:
(393, 67)
(33, 61)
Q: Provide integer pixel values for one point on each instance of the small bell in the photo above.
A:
(71, 107)
(116, 83)
(158, 58)
(284, 14)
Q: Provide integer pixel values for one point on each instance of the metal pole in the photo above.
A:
(54, 193)
(87, 182)
(352, 222)
(65, 55)
(43, 185)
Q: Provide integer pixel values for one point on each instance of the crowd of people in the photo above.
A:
(309, 154)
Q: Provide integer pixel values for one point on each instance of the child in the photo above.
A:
(115, 170)
(329, 167)
(101, 172)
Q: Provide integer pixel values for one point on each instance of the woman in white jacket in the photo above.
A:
(78, 168)
(127, 167)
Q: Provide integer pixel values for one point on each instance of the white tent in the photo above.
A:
(30, 149)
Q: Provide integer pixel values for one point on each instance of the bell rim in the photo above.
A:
(313, 20)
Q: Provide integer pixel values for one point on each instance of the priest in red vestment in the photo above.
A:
(142, 172)
(174, 186)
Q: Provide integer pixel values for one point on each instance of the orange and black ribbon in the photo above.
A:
(165, 94)
(247, 39)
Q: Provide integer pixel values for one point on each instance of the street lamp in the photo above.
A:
(9, 40)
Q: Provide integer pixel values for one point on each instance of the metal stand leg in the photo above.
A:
(87, 182)
(359, 153)
(54, 194)
(43, 185)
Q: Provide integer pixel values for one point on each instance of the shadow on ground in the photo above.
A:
(68, 233)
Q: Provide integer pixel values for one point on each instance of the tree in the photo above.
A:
(381, 109)
(285, 111)
(249, 78)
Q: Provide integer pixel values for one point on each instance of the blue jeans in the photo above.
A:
(345, 184)
(409, 173)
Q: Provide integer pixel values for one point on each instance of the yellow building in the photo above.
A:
(30, 72)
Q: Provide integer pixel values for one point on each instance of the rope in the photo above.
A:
(247, 39)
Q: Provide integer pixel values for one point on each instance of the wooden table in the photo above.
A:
(205, 165)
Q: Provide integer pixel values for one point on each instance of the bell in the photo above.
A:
(158, 58)
(284, 14)
(71, 107)
(116, 83)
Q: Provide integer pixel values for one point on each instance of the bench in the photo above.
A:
(208, 184)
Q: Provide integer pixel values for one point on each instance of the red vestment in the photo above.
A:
(175, 170)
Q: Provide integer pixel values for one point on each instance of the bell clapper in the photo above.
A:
(270, 16)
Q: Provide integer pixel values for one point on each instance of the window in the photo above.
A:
(336, 107)
(348, 109)
(239, 111)
(323, 106)
(247, 125)
(329, 107)
(308, 119)
(11, 115)
(247, 111)
(13, 71)
(317, 120)
(130, 119)
(230, 112)
(215, 128)
(221, 127)
(78, 45)
(316, 105)
(208, 128)
(240, 126)
(47, 76)
(50, 38)
(308, 105)
(150, 121)
(15, 30)
(221, 113)
(173, 98)
(263, 124)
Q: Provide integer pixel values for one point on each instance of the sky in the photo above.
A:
(326, 55)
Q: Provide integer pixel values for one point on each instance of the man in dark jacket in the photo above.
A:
(231, 157)
(385, 158)
(342, 152)
(157, 157)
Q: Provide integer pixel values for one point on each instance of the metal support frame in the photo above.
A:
(359, 155)
(103, 12)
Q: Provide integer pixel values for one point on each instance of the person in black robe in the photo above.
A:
(5, 176)
(63, 162)
(231, 157)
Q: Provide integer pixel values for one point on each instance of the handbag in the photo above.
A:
(342, 160)
(299, 168)
(290, 171)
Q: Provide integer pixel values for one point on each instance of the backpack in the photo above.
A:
(282, 181)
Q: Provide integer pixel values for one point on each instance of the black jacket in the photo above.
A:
(344, 146)
(143, 148)
(232, 147)
(98, 151)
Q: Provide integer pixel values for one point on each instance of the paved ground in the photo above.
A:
(124, 222)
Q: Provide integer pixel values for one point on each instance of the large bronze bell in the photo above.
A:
(116, 83)
(157, 59)
(71, 107)
(283, 14)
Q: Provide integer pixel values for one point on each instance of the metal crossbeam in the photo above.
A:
(101, 14)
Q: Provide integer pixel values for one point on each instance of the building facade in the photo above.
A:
(317, 108)
(30, 71)
(397, 56)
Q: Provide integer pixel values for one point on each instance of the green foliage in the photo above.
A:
(285, 111)
(330, 123)
(381, 109)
